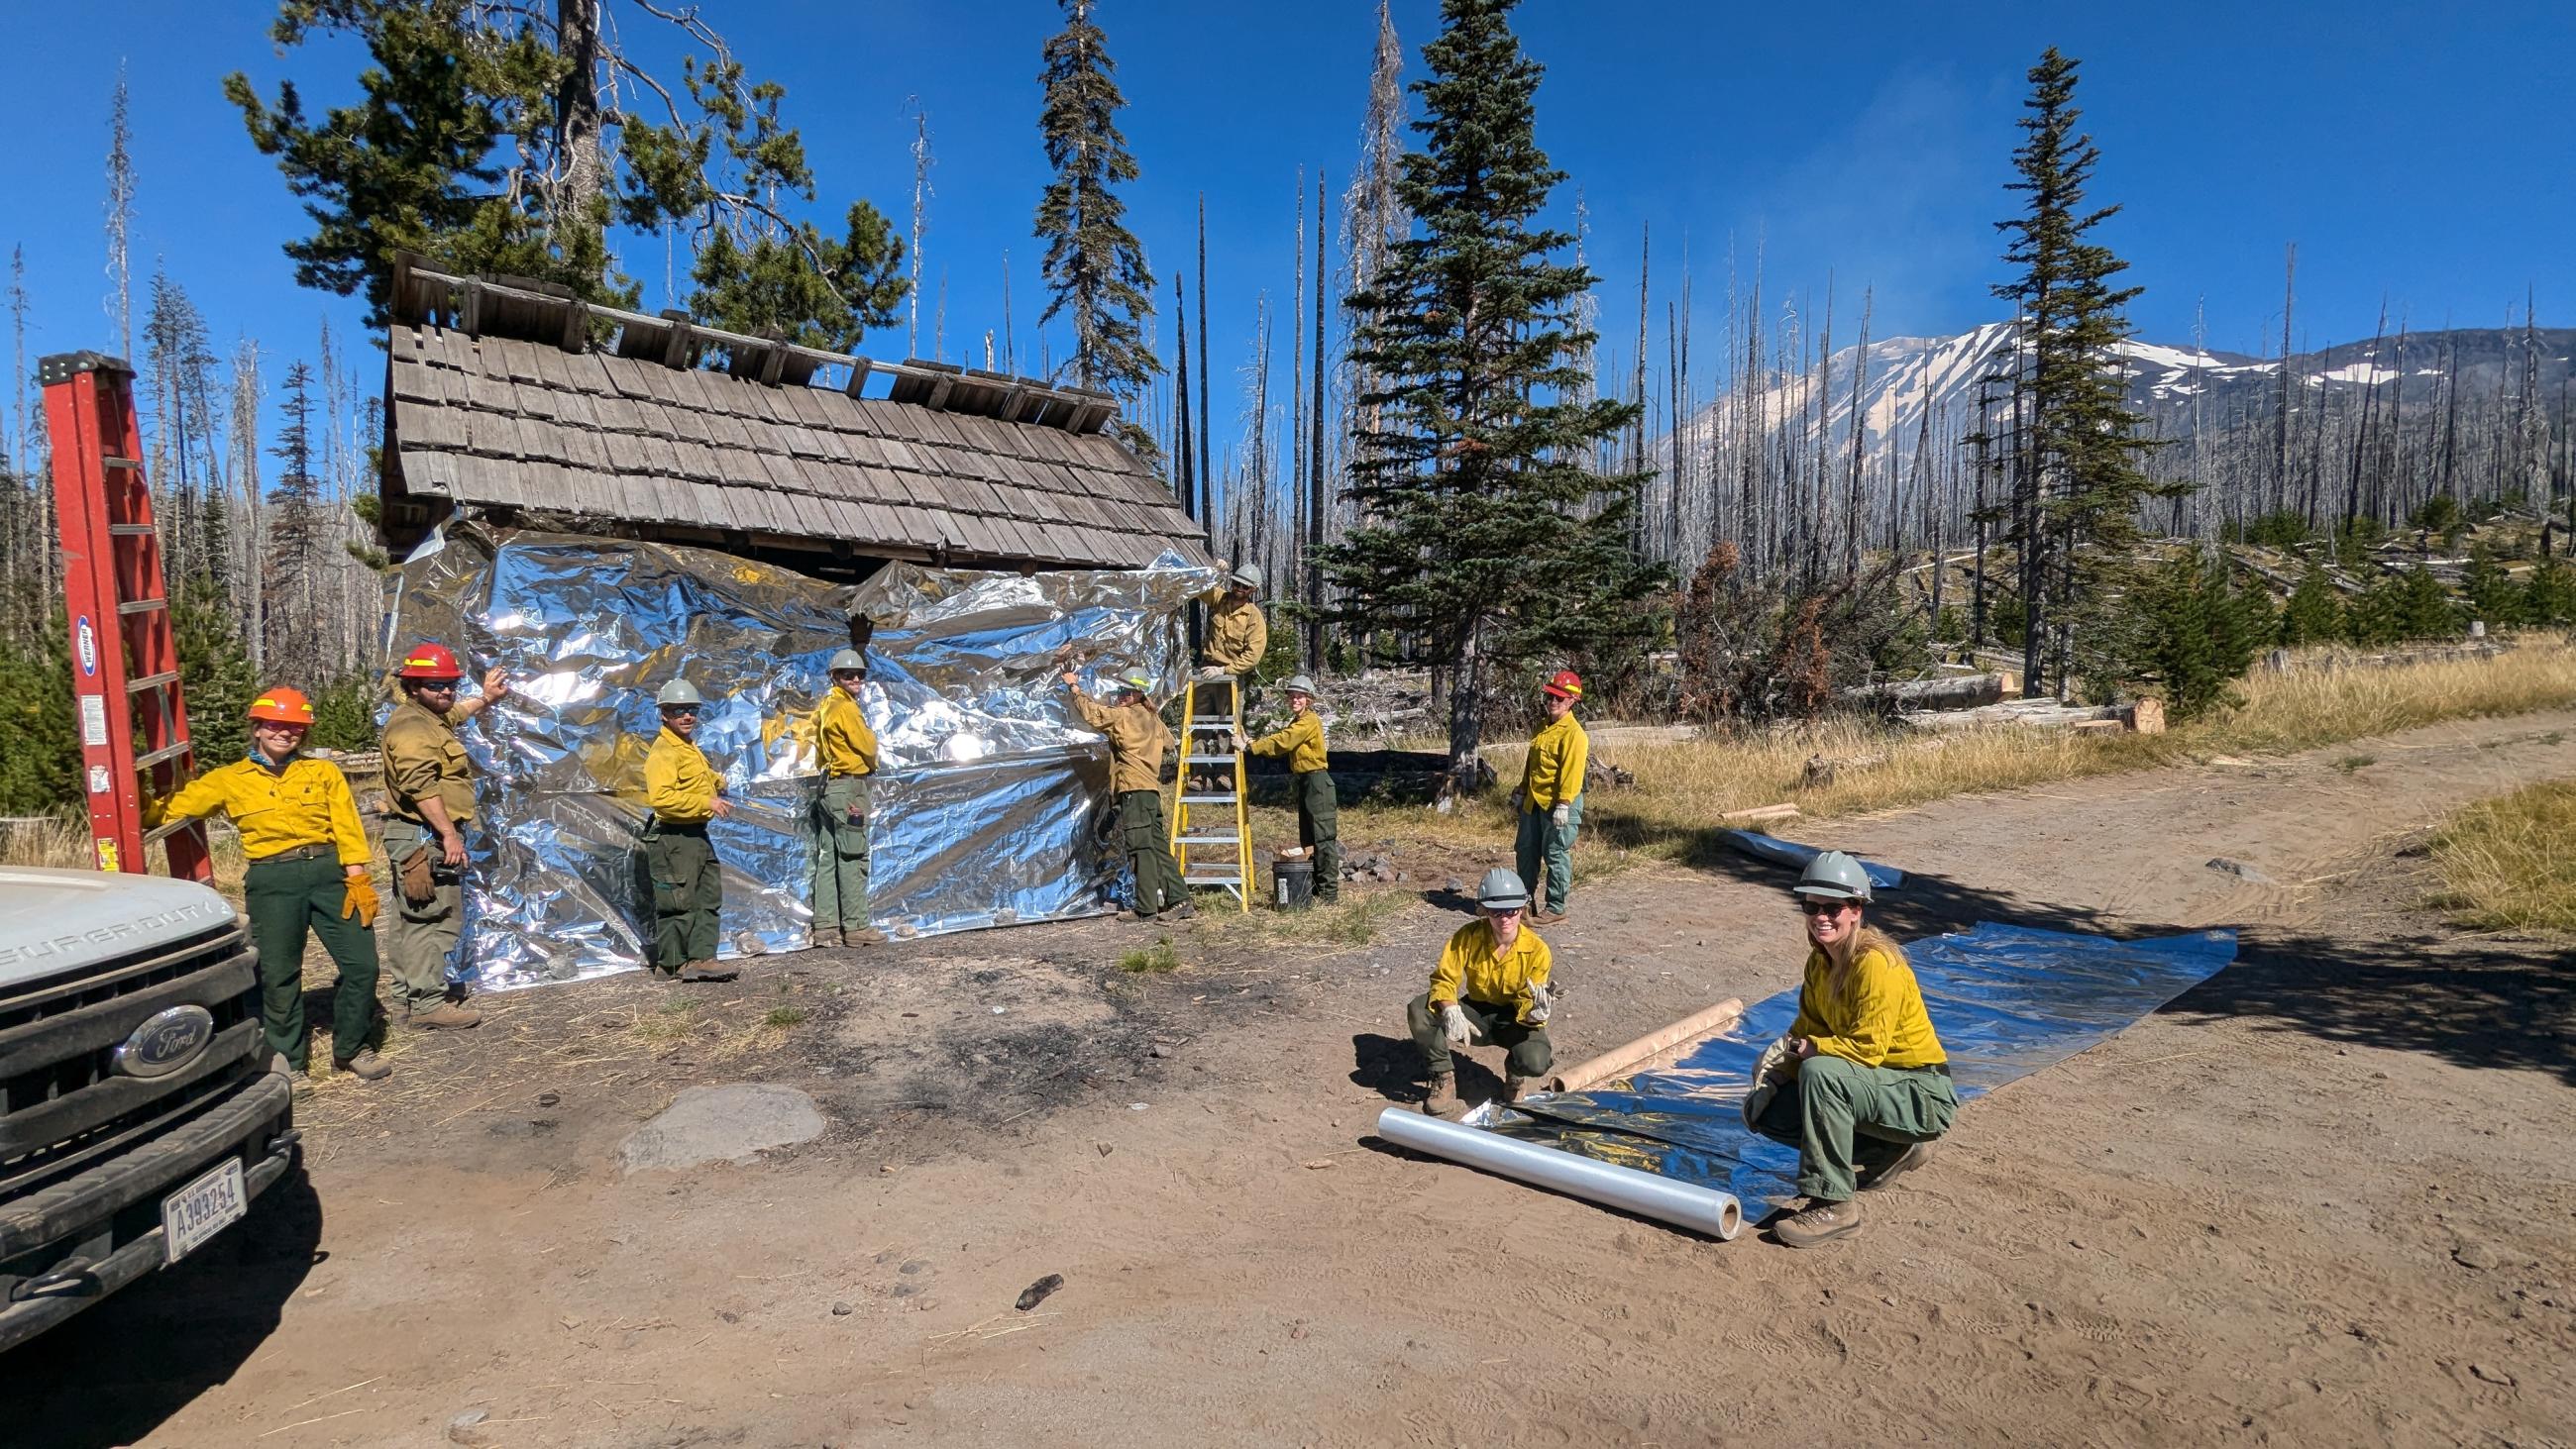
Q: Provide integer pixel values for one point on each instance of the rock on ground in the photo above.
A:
(722, 1124)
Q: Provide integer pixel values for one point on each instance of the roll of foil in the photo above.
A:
(991, 798)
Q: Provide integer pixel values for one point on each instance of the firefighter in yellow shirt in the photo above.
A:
(308, 868)
(849, 758)
(1319, 827)
(1137, 739)
(1860, 1086)
(1551, 800)
(685, 793)
(1491, 987)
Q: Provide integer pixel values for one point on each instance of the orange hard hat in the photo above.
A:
(1565, 684)
(282, 706)
(431, 661)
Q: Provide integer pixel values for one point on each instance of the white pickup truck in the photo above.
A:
(138, 1114)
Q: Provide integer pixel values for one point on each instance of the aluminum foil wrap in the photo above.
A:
(991, 799)
(2005, 1001)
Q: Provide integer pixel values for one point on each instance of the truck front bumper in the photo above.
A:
(101, 1229)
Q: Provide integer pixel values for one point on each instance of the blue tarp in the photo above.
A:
(2006, 1001)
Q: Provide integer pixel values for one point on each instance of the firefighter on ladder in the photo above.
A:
(1238, 635)
(429, 800)
(308, 869)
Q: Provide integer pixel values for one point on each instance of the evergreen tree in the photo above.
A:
(2314, 613)
(2549, 596)
(297, 520)
(1094, 266)
(1487, 538)
(2077, 483)
(40, 770)
(488, 138)
(2490, 592)
(2196, 634)
(216, 667)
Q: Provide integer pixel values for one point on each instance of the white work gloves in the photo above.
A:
(1540, 1004)
(1212, 671)
(1242, 741)
(1453, 1023)
(1561, 814)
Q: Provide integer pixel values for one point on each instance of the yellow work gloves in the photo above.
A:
(361, 901)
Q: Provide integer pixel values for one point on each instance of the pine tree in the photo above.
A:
(2314, 613)
(489, 139)
(2491, 594)
(2078, 485)
(1094, 268)
(1485, 536)
(2549, 595)
(297, 518)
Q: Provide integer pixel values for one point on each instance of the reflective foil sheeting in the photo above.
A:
(2005, 1000)
(990, 798)
(1790, 853)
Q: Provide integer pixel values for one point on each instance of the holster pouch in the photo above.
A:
(419, 884)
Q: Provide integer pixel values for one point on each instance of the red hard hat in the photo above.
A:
(431, 661)
(1565, 684)
(282, 706)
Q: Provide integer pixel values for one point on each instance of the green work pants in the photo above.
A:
(1842, 1116)
(841, 853)
(419, 938)
(1149, 852)
(688, 894)
(1529, 1053)
(283, 898)
(1319, 825)
(1545, 844)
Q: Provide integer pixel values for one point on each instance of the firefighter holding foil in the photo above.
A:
(429, 801)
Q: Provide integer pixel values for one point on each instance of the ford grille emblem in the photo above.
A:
(165, 1042)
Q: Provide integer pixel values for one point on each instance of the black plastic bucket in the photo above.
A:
(1292, 884)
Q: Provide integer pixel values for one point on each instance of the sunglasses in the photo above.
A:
(1811, 907)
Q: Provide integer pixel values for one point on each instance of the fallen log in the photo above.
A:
(1965, 691)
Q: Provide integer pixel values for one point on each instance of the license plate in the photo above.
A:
(202, 1209)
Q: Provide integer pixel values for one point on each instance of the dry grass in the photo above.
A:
(2506, 864)
(1685, 786)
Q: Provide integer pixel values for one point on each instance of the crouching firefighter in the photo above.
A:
(685, 793)
(1860, 1085)
(308, 870)
(1490, 988)
(1318, 807)
(1137, 739)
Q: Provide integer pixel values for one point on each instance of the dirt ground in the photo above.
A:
(2328, 1198)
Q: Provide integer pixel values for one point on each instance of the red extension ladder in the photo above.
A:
(125, 659)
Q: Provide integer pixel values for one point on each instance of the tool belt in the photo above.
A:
(298, 852)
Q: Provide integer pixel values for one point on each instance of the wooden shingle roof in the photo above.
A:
(487, 410)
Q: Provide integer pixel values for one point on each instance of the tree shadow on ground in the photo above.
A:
(2475, 1001)
(117, 1372)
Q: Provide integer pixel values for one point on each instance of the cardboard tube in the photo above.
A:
(1620, 1060)
(1699, 1209)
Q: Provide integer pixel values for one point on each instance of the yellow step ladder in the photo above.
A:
(1223, 829)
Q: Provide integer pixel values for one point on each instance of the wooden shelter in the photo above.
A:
(513, 401)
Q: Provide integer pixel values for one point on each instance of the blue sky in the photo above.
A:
(2420, 154)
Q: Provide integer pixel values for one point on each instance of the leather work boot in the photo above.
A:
(1546, 917)
(864, 936)
(445, 1016)
(1441, 1100)
(707, 971)
(366, 1066)
(1515, 1088)
(1912, 1158)
(1818, 1223)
